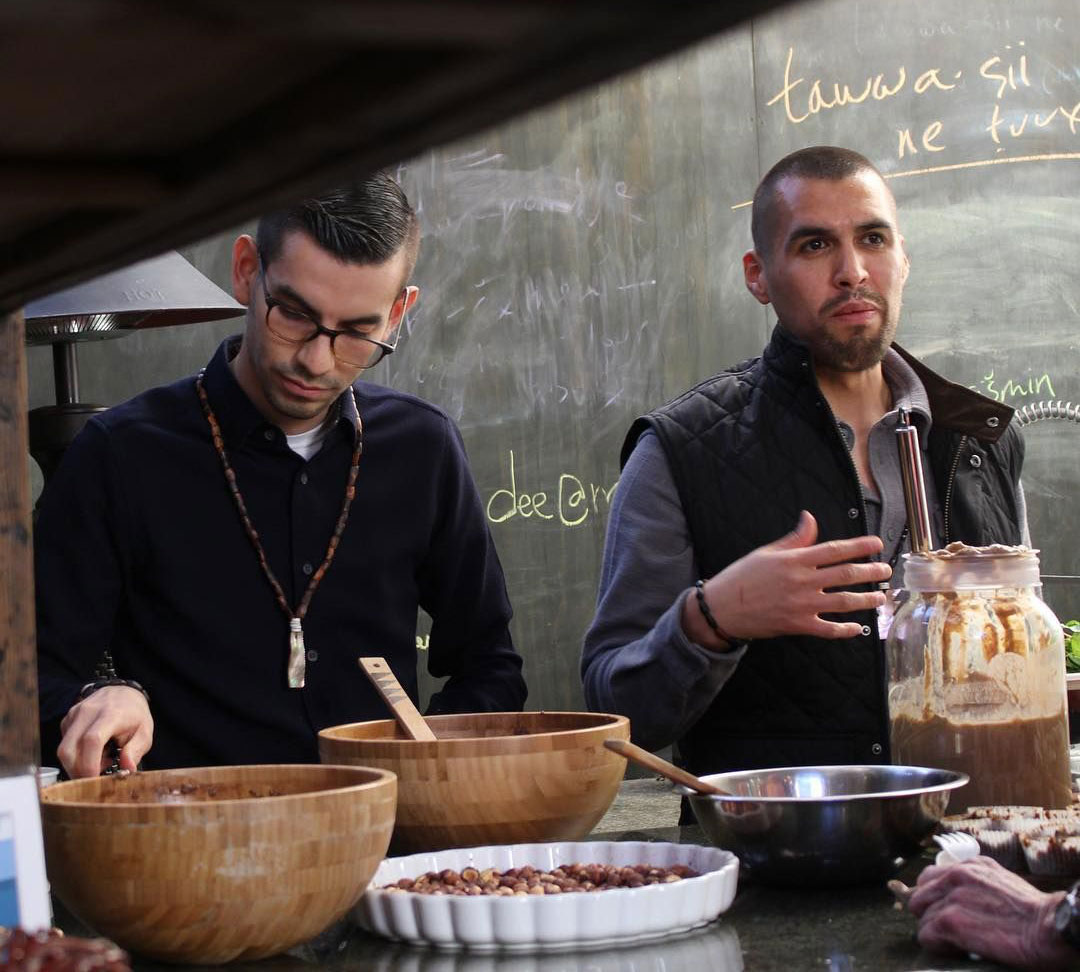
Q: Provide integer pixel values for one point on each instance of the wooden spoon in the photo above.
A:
(663, 767)
(387, 685)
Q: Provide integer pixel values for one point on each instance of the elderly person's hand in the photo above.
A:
(980, 906)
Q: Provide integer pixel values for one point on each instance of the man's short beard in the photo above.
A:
(858, 353)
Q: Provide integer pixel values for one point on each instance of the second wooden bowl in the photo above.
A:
(491, 778)
(219, 863)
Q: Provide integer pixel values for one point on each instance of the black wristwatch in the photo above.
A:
(1067, 917)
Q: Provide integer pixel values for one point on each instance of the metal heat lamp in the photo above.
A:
(160, 292)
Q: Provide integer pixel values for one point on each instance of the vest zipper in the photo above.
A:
(949, 487)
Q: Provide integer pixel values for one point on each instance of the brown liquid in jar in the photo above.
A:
(1022, 762)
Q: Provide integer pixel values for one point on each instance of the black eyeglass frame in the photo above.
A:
(384, 347)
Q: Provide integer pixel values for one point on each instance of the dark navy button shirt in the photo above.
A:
(139, 548)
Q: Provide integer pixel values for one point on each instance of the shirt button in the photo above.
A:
(976, 461)
(891, 535)
(303, 479)
(993, 421)
(268, 434)
(308, 569)
(853, 513)
(312, 655)
(866, 631)
(876, 749)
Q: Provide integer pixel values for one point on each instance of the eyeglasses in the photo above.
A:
(296, 326)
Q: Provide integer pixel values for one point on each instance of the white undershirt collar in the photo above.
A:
(306, 444)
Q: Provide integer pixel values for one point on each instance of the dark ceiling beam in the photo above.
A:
(90, 184)
(404, 23)
(346, 119)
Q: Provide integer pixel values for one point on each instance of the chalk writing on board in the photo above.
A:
(877, 87)
(956, 166)
(1004, 73)
(1003, 389)
(1000, 128)
(934, 169)
(569, 502)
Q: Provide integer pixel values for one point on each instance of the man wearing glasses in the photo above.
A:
(230, 544)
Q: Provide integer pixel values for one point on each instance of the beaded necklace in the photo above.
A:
(296, 667)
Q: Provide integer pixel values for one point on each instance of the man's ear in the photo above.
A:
(907, 259)
(245, 268)
(402, 307)
(754, 274)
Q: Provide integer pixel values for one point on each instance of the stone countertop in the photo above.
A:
(640, 804)
(766, 930)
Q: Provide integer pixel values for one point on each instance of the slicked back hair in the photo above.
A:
(827, 162)
(366, 222)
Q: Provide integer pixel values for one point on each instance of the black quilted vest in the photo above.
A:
(748, 450)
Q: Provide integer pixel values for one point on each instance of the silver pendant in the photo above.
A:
(296, 654)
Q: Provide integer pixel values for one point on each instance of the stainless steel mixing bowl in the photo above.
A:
(824, 825)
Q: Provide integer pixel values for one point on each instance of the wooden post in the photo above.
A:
(19, 742)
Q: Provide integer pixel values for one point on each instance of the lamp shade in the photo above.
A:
(159, 292)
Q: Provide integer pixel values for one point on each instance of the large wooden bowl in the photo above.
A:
(491, 778)
(220, 863)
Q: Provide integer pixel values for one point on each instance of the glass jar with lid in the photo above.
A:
(977, 677)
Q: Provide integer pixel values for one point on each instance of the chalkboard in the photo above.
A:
(582, 264)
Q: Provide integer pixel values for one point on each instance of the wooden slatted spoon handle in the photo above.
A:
(387, 685)
(653, 762)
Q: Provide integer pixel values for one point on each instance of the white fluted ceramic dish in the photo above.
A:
(539, 922)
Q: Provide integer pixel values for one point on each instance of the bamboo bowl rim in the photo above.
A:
(598, 722)
(55, 795)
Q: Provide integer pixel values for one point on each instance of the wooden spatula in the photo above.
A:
(387, 685)
(659, 765)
